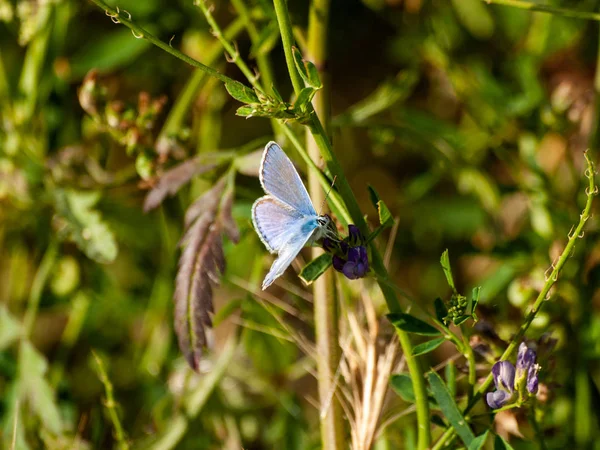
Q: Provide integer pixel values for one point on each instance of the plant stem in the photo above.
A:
(140, 33)
(324, 293)
(188, 94)
(324, 145)
(233, 52)
(565, 12)
(111, 404)
(287, 39)
(576, 233)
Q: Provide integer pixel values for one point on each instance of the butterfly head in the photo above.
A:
(327, 228)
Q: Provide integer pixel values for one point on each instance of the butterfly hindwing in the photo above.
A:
(297, 239)
(273, 222)
(280, 179)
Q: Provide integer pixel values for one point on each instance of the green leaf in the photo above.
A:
(373, 196)
(10, 328)
(403, 386)
(428, 346)
(241, 92)
(445, 262)
(80, 223)
(308, 71)
(478, 442)
(304, 98)
(316, 268)
(441, 312)
(449, 408)
(385, 216)
(450, 373)
(411, 324)
(474, 301)
(460, 320)
(501, 444)
(245, 111)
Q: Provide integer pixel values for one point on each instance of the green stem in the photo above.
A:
(111, 405)
(233, 52)
(576, 233)
(545, 8)
(324, 293)
(324, 145)
(140, 33)
(287, 39)
(188, 94)
(262, 60)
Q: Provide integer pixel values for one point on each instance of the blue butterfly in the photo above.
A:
(285, 219)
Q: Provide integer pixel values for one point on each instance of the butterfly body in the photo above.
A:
(285, 219)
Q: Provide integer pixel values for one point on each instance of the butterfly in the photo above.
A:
(285, 219)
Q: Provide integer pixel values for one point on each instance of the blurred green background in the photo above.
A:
(469, 119)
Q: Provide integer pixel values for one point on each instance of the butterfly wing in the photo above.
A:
(273, 221)
(279, 178)
(297, 239)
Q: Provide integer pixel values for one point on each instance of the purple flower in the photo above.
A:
(497, 399)
(350, 255)
(527, 370)
(532, 379)
(510, 381)
(504, 379)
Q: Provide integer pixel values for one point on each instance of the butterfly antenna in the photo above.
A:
(327, 195)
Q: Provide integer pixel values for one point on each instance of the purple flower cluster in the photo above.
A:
(350, 255)
(510, 381)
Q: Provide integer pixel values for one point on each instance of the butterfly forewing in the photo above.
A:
(280, 179)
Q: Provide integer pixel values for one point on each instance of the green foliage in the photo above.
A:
(449, 408)
(315, 268)
(469, 118)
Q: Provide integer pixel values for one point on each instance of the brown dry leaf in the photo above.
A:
(200, 266)
(172, 180)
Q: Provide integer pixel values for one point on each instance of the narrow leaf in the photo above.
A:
(373, 196)
(441, 312)
(241, 92)
(428, 346)
(449, 408)
(173, 179)
(304, 98)
(411, 324)
(477, 443)
(474, 301)
(445, 262)
(315, 268)
(403, 386)
(460, 320)
(385, 216)
(308, 71)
